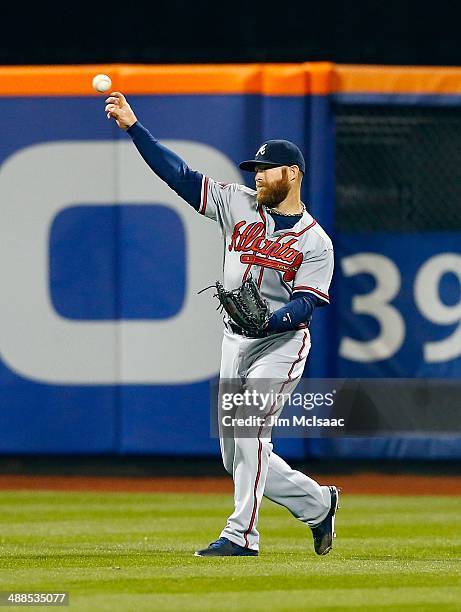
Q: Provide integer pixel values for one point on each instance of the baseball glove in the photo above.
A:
(248, 310)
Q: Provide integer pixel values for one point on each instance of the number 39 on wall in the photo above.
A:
(377, 304)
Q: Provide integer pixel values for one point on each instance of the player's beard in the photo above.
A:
(271, 195)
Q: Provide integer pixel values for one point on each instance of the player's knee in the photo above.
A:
(228, 464)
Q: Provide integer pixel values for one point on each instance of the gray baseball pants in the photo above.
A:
(256, 470)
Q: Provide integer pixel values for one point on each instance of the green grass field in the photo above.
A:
(124, 551)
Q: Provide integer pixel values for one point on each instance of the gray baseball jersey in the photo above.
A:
(283, 261)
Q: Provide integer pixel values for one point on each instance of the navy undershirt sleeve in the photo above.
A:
(167, 165)
(298, 311)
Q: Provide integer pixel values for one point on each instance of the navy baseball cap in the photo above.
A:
(275, 153)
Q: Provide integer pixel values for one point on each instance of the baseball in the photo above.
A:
(102, 83)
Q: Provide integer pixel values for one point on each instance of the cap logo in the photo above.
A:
(261, 150)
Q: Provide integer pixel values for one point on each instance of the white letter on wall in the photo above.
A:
(35, 341)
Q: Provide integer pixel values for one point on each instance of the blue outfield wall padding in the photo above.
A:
(409, 255)
(127, 261)
(320, 164)
(108, 274)
(390, 99)
(444, 448)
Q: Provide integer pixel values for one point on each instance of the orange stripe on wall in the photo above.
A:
(319, 78)
(268, 79)
(396, 79)
(50, 80)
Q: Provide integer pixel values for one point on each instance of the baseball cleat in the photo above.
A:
(324, 532)
(225, 548)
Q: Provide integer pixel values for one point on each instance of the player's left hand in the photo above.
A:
(246, 307)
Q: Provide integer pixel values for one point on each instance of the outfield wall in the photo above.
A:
(105, 345)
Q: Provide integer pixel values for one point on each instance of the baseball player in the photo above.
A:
(270, 237)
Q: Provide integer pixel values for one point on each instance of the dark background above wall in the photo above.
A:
(172, 31)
